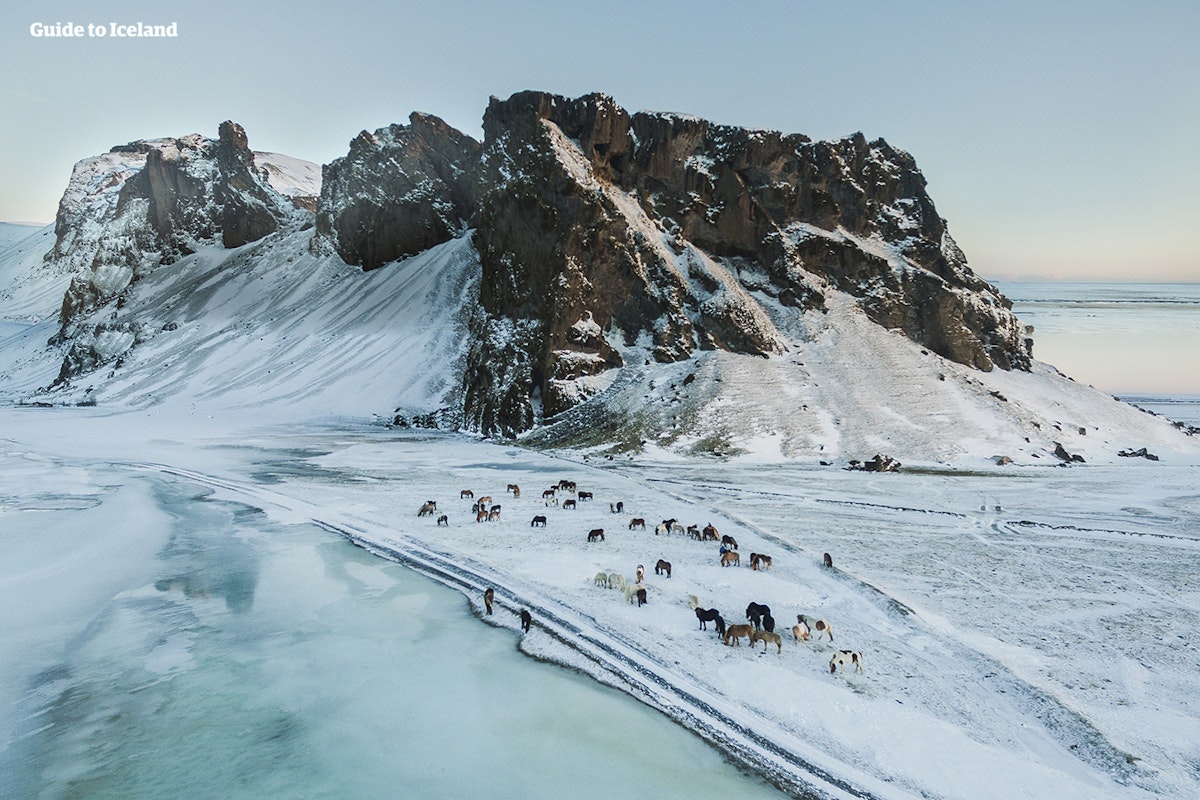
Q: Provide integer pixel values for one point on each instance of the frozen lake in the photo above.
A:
(158, 643)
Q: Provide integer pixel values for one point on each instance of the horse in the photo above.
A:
(494, 508)
(631, 590)
(601, 579)
(538, 522)
(662, 528)
(427, 509)
(730, 557)
(641, 597)
(694, 532)
(641, 573)
(736, 632)
(616, 581)
(568, 504)
(527, 620)
(768, 622)
(828, 561)
(755, 612)
(620, 507)
(801, 632)
(693, 602)
(584, 496)
(637, 522)
(822, 627)
(465, 494)
(516, 490)
(709, 534)
(443, 520)
(676, 527)
(481, 516)
(661, 567)
(551, 501)
(707, 615)
(566, 485)
(494, 514)
(484, 502)
(760, 561)
(843, 657)
(728, 541)
(596, 535)
(546, 495)
(488, 596)
(765, 637)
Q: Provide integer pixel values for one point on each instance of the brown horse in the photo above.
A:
(737, 632)
(596, 535)
(427, 509)
(662, 567)
(488, 596)
(759, 561)
(730, 557)
(465, 494)
(709, 534)
(637, 522)
(765, 637)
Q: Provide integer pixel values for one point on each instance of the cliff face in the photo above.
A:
(150, 202)
(597, 230)
(147, 204)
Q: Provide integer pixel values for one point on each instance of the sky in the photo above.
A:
(1057, 138)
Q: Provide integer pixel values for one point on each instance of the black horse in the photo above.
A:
(755, 612)
(526, 620)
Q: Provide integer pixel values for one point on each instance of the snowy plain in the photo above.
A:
(1025, 629)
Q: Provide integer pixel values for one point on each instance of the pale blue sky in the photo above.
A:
(1058, 138)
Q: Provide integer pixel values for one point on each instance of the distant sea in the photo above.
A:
(1138, 341)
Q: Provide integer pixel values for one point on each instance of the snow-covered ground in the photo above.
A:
(1025, 632)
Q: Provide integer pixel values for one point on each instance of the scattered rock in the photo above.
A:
(1062, 453)
(1139, 453)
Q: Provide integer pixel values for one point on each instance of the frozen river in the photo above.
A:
(158, 643)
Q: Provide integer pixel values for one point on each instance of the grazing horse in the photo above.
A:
(637, 522)
(662, 528)
(538, 522)
(584, 496)
(661, 567)
(620, 507)
(596, 535)
(676, 528)
(527, 620)
(443, 520)
(516, 490)
(631, 590)
(616, 581)
(488, 596)
(568, 504)
(755, 612)
(481, 516)
(801, 632)
(427, 509)
(822, 627)
(694, 532)
(601, 579)
(494, 514)
(736, 632)
(484, 502)
(843, 657)
(728, 541)
(707, 615)
(828, 561)
(730, 557)
(566, 485)
(765, 637)
(551, 500)
(465, 494)
(641, 597)
(546, 495)
(768, 623)
(759, 561)
(709, 534)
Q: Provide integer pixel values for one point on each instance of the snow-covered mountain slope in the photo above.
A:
(831, 318)
(269, 324)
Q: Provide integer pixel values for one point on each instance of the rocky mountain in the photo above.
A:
(595, 228)
(581, 276)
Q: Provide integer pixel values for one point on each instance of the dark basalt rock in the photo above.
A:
(398, 192)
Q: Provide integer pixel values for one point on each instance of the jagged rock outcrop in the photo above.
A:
(597, 229)
(146, 204)
(150, 202)
(398, 192)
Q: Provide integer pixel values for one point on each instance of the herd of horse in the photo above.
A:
(759, 626)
